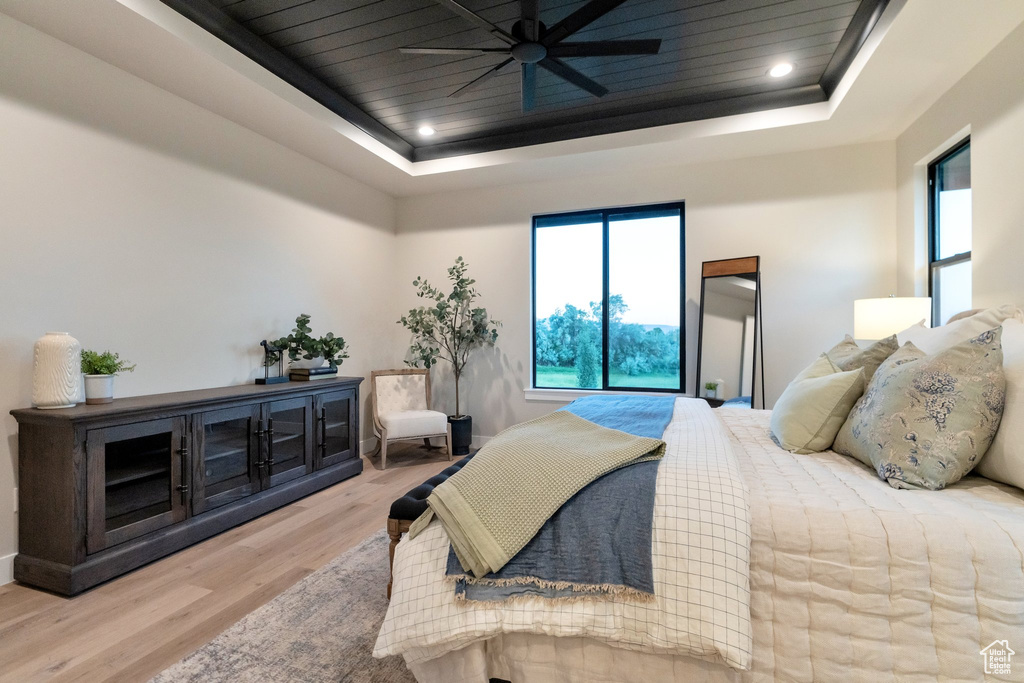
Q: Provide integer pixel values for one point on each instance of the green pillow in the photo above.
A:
(848, 356)
(926, 421)
(814, 406)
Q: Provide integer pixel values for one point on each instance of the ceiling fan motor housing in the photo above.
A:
(529, 53)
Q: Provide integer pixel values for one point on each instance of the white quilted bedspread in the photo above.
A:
(850, 579)
(700, 554)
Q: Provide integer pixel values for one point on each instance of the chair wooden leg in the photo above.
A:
(426, 442)
(448, 441)
(376, 450)
(384, 449)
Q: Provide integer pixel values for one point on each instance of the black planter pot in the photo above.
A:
(462, 434)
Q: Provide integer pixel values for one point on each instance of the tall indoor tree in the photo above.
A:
(450, 327)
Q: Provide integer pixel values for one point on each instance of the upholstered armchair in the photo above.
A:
(401, 410)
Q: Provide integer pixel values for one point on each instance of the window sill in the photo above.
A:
(567, 395)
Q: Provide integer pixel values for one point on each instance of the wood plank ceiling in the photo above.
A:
(714, 59)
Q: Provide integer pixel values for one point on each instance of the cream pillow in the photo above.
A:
(848, 356)
(815, 405)
(1005, 458)
(931, 340)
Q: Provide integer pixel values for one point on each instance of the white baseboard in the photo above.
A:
(7, 568)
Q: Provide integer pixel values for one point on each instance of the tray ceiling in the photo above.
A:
(713, 61)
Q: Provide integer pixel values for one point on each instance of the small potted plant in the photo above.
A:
(711, 389)
(449, 329)
(99, 370)
(307, 352)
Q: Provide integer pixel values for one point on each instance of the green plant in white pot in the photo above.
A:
(306, 351)
(449, 329)
(99, 370)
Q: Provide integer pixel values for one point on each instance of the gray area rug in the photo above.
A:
(321, 629)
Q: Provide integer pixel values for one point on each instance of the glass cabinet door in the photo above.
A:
(288, 426)
(336, 428)
(227, 450)
(135, 480)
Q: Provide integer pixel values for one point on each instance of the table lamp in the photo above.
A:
(875, 319)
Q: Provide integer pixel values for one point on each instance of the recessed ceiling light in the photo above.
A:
(426, 131)
(780, 70)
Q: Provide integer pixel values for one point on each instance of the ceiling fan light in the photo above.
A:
(781, 69)
(426, 131)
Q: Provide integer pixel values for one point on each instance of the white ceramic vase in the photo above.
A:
(99, 389)
(56, 371)
(303, 364)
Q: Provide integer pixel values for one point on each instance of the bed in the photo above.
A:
(848, 579)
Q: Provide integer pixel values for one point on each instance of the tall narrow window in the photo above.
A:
(949, 216)
(608, 299)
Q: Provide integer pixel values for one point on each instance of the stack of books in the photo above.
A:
(310, 374)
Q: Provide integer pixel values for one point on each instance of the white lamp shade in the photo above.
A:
(879, 318)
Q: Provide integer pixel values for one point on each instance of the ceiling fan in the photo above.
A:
(531, 44)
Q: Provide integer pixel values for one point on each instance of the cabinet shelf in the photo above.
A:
(126, 475)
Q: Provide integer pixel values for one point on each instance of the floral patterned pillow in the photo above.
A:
(926, 421)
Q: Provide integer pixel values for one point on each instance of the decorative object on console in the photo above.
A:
(100, 369)
(711, 389)
(271, 355)
(311, 374)
(878, 318)
(730, 323)
(56, 378)
(927, 420)
(305, 352)
(449, 330)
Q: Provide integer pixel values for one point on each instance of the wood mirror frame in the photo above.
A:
(745, 266)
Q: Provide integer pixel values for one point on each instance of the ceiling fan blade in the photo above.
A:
(529, 86)
(453, 50)
(478, 20)
(480, 79)
(606, 48)
(529, 12)
(566, 72)
(585, 15)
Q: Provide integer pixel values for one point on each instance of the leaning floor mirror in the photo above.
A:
(729, 338)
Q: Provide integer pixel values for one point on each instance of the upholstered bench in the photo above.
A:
(406, 509)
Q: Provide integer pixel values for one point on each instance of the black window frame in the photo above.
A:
(934, 226)
(617, 211)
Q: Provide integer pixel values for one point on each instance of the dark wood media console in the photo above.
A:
(104, 489)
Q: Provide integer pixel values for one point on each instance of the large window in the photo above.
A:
(949, 218)
(608, 299)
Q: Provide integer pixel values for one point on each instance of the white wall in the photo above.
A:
(143, 224)
(989, 103)
(823, 223)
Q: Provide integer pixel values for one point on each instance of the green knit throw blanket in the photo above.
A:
(494, 505)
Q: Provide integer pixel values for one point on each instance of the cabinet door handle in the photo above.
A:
(184, 445)
(323, 431)
(270, 442)
(184, 493)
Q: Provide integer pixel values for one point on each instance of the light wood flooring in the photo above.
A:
(131, 628)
